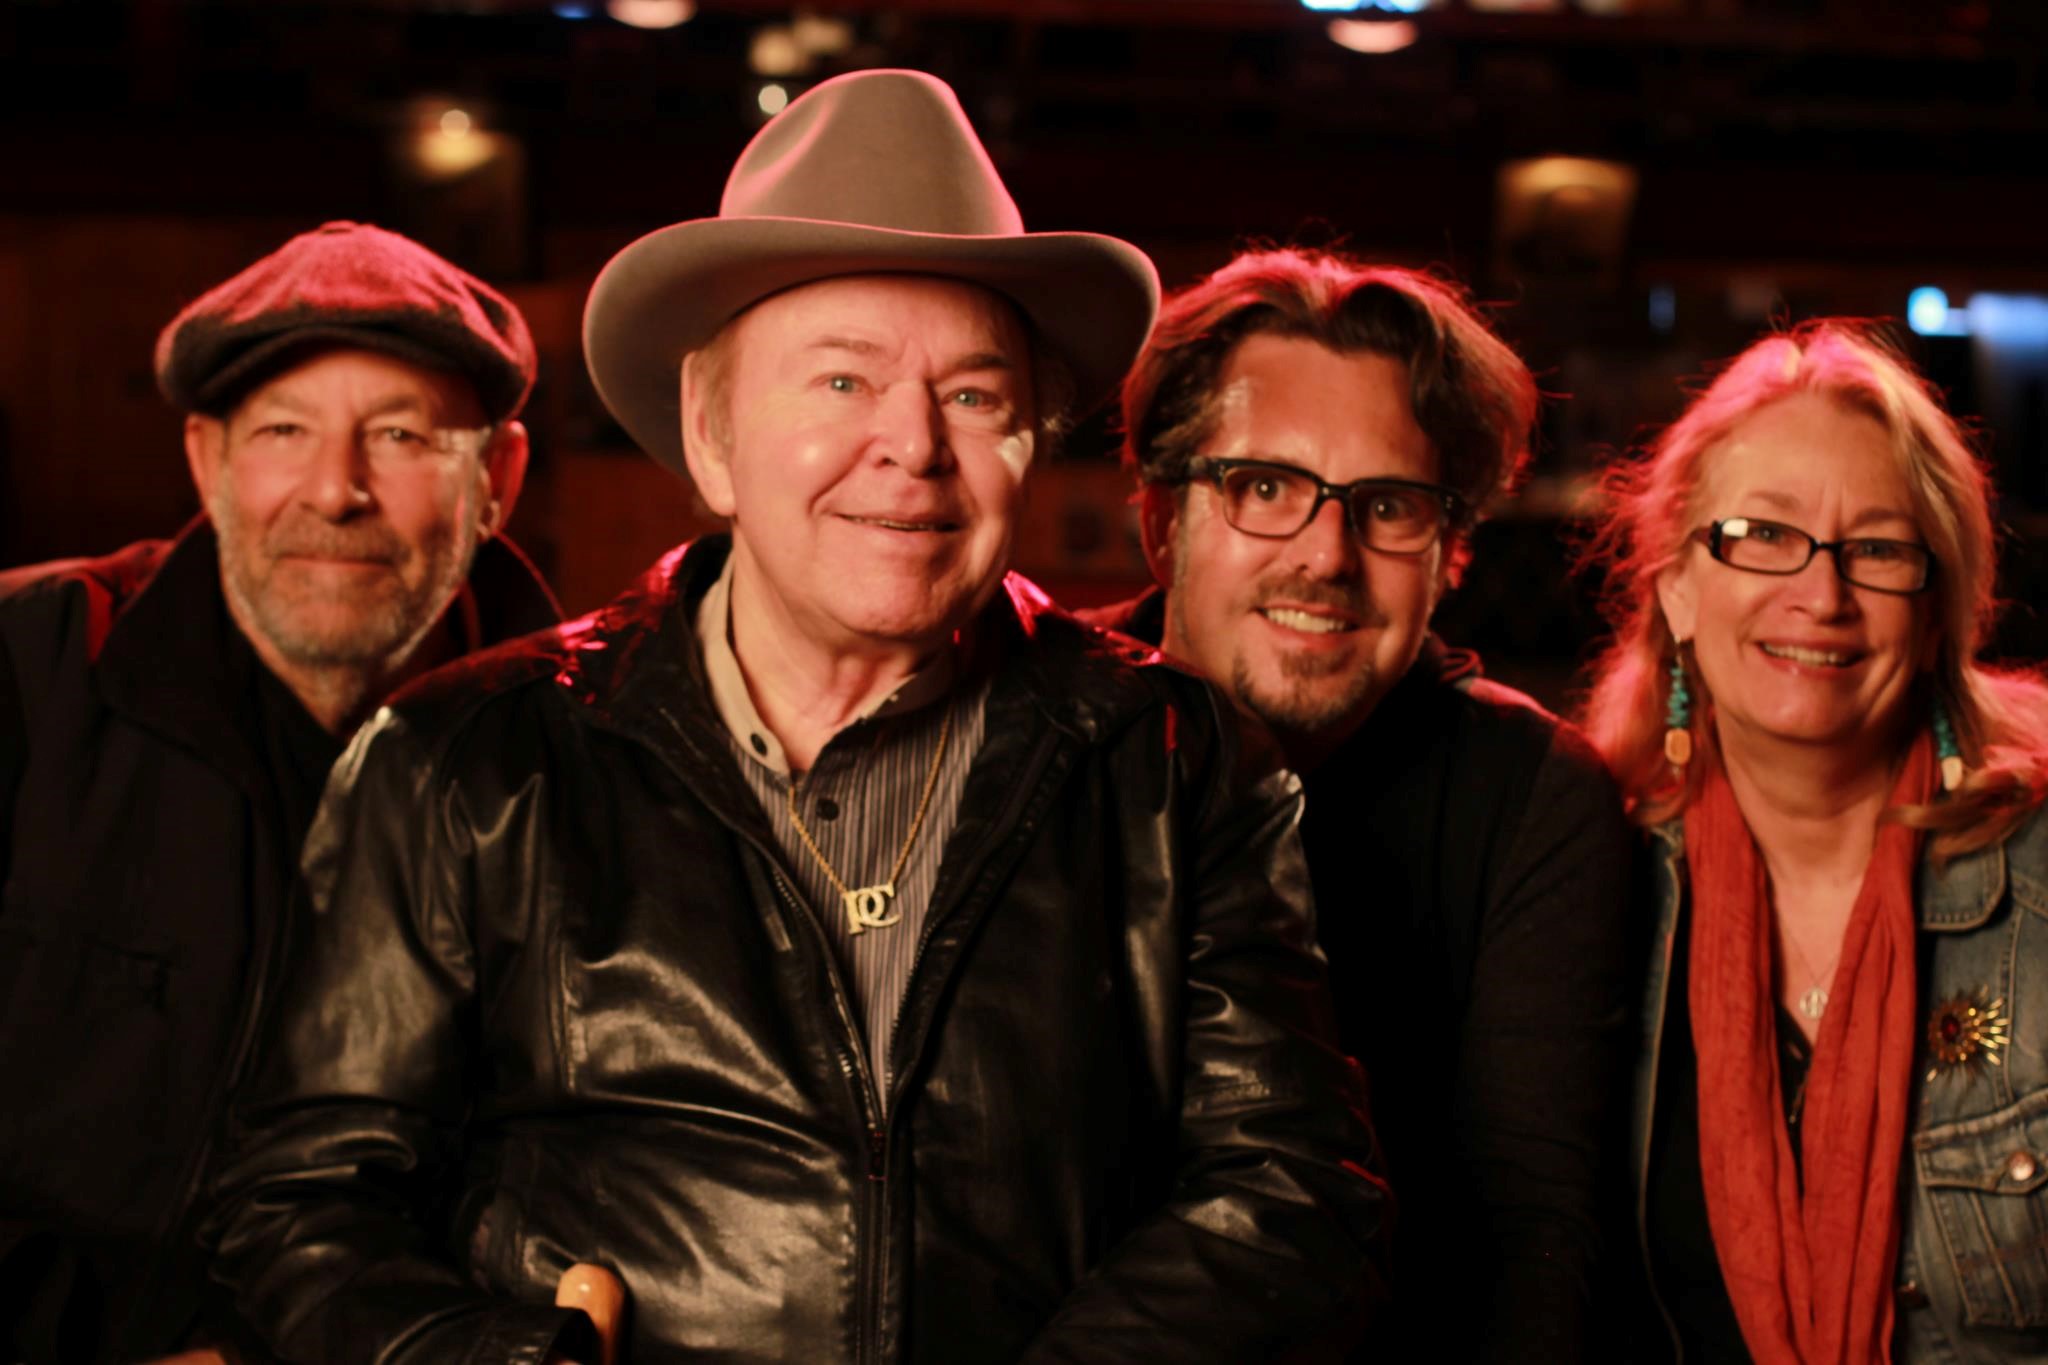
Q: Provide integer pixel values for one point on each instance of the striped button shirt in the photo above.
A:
(858, 802)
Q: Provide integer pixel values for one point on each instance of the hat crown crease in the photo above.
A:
(842, 158)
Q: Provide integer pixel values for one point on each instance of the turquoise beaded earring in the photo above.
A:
(1946, 749)
(1678, 714)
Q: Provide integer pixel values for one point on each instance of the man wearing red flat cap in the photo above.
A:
(860, 958)
(168, 715)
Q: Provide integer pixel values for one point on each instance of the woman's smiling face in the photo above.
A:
(1804, 658)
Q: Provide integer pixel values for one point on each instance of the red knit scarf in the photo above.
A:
(1810, 1275)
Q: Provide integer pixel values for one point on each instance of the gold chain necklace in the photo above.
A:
(867, 907)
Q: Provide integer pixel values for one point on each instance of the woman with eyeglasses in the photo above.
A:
(1842, 1111)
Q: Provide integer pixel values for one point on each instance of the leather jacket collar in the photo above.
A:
(635, 661)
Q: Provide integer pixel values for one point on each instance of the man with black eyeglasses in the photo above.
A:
(1314, 439)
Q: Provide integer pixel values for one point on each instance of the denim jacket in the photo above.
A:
(1973, 1257)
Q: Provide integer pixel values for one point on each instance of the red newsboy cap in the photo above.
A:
(346, 284)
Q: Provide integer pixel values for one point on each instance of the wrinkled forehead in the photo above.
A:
(1804, 454)
(887, 313)
(358, 382)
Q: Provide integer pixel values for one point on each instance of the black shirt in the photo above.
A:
(297, 749)
(1688, 1273)
(1472, 881)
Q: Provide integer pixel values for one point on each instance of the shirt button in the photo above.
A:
(828, 809)
(2020, 1166)
(760, 744)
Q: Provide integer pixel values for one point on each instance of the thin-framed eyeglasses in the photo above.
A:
(1276, 501)
(1771, 547)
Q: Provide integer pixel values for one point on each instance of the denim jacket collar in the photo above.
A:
(1961, 894)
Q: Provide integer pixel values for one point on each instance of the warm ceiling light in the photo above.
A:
(455, 122)
(772, 99)
(821, 35)
(651, 13)
(776, 52)
(445, 156)
(1367, 35)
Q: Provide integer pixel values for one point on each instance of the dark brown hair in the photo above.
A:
(1473, 396)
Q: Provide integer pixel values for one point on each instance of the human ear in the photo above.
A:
(206, 440)
(706, 452)
(1678, 595)
(1454, 552)
(1158, 527)
(504, 473)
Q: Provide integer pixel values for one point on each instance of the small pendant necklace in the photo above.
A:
(1814, 1003)
(868, 907)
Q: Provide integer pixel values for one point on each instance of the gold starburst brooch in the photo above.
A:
(1966, 1031)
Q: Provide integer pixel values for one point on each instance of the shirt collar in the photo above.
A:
(735, 704)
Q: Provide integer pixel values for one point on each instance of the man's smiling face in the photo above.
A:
(1310, 631)
(870, 445)
(349, 494)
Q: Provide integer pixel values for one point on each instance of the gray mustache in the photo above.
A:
(337, 542)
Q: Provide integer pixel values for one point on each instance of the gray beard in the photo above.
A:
(384, 635)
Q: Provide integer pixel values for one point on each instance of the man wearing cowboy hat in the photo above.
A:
(863, 960)
(168, 714)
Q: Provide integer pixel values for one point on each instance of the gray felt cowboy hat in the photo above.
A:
(869, 173)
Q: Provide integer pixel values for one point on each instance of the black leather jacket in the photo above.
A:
(562, 1004)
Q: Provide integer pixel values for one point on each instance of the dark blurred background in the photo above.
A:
(1642, 186)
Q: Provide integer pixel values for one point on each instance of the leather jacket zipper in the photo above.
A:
(1006, 826)
(871, 1232)
(852, 1058)
(871, 1206)
(874, 1239)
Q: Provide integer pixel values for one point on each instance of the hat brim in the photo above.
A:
(1090, 298)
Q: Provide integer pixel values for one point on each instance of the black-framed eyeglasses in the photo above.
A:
(1772, 547)
(1276, 501)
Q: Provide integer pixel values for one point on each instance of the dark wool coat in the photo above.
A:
(145, 865)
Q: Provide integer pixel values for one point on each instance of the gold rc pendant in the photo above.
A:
(867, 907)
(1814, 1003)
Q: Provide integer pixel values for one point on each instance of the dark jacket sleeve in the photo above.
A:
(1543, 1059)
(1269, 1247)
(326, 1217)
(13, 750)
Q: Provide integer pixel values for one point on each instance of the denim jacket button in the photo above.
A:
(2020, 1166)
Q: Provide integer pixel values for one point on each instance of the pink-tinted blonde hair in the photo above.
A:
(2000, 716)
